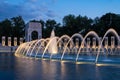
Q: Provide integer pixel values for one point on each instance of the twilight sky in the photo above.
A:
(56, 9)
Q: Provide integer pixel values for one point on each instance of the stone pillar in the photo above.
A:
(106, 42)
(100, 40)
(65, 42)
(119, 42)
(39, 36)
(94, 42)
(3, 40)
(88, 42)
(9, 41)
(21, 40)
(15, 41)
(29, 37)
(77, 42)
(112, 42)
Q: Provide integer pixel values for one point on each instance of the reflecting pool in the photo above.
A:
(16, 68)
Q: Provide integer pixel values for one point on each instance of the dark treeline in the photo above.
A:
(15, 26)
(82, 24)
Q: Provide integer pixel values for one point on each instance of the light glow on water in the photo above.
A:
(85, 63)
(16, 68)
(106, 64)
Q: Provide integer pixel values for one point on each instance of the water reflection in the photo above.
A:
(98, 75)
(29, 69)
(6, 66)
(6, 61)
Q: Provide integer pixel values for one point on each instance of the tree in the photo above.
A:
(83, 24)
(72, 24)
(69, 23)
(49, 25)
(107, 21)
(6, 27)
(18, 26)
(76, 24)
(43, 27)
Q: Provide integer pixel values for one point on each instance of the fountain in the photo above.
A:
(53, 45)
(91, 48)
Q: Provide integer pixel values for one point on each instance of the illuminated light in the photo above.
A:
(17, 55)
(79, 62)
(107, 64)
(99, 64)
(21, 40)
(9, 41)
(84, 63)
(15, 41)
(54, 60)
(104, 64)
(3, 40)
(44, 59)
(63, 61)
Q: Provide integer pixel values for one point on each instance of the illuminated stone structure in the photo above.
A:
(33, 29)
(21, 40)
(15, 41)
(9, 41)
(3, 41)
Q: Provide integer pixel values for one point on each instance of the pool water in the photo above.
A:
(15, 68)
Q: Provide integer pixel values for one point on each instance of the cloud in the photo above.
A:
(53, 1)
(50, 14)
(33, 0)
(8, 10)
(29, 9)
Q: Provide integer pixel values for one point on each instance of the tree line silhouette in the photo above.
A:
(15, 27)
